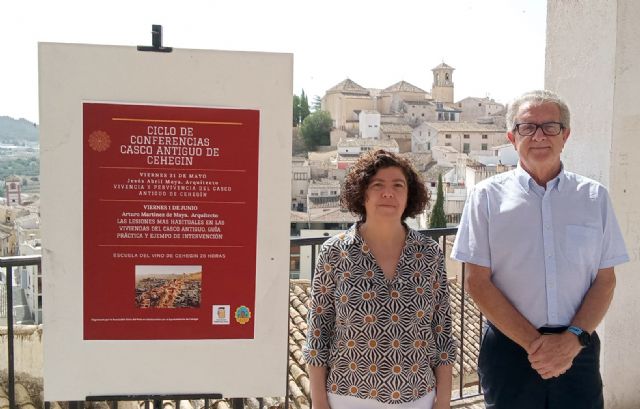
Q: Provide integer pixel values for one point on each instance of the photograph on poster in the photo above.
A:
(168, 286)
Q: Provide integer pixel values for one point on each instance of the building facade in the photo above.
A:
(465, 137)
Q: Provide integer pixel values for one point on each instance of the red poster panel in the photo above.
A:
(170, 214)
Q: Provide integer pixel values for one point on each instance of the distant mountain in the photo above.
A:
(18, 131)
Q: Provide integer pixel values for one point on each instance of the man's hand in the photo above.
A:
(554, 354)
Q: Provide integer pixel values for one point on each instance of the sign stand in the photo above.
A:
(156, 41)
(156, 399)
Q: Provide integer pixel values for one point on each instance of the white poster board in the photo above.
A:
(72, 75)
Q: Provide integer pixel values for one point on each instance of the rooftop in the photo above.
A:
(443, 65)
(464, 126)
(367, 142)
(396, 128)
(348, 87)
(403, 86)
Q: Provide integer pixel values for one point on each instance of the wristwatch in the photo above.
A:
(583, 336)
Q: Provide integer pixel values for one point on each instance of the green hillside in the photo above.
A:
(18, 131)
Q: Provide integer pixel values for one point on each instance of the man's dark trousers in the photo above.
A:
(509, 382)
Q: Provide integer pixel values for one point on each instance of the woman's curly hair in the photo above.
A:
(357, 181)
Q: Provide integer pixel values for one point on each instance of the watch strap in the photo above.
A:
(583, 336)
(575, 330)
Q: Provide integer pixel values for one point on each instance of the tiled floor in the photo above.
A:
(472, 403)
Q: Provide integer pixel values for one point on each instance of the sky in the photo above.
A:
(496, 46)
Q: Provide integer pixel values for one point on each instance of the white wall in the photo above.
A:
(369, 123)
(593, 61)
(508, 156)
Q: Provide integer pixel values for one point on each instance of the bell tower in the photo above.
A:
(12, 190)
(442, 88)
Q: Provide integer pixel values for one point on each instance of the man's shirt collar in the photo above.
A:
(526, 181)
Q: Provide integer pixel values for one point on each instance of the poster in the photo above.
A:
(101, 323)
(170, 222)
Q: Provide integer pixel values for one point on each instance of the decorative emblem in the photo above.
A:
(243, 314)
(99, 141)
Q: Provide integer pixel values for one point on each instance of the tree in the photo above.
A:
(296, 110)
(304, 106)
(438, 218)
(317, 104)
(315, 129)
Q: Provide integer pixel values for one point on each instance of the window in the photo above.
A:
(447, 144)
(484, 146)
(423, 114)
(429, 146)
(485, 136)
(447, 136)
(465, 148)
(466, 136)
(479, 104)
(301, 191)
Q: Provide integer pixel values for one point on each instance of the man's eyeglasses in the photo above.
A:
(548, 128)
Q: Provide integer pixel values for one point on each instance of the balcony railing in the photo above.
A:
(8, 264)
(467, 328)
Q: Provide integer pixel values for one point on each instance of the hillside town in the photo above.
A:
(20, 217)
(462, 140)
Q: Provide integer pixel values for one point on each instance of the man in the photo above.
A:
(540, 245)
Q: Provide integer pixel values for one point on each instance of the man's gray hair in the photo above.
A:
(538, 97)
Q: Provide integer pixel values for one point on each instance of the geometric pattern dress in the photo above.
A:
(380, 339)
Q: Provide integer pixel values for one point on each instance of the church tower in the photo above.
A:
(12, 190)
(442, 88)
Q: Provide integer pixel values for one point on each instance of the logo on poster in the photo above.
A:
(221, 315)
(243, 315)
(99, 141)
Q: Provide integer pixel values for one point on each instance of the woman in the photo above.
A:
(379, 325)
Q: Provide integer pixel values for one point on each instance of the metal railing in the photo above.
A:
(9, 263)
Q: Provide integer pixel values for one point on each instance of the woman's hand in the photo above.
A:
(444, 374)
(440, 403)
(323, 405)
(318, 379)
